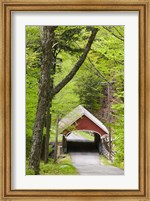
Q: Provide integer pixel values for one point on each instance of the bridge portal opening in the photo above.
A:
(81, 119)
(82, 141)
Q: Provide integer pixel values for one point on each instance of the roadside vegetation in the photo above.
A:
(86, 135)
(105, 161)
(63, 166)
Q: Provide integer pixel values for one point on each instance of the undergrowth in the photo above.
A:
(63, 166)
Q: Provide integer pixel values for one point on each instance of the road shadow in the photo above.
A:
(81, 146)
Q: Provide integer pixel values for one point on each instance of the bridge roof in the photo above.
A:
(76, 114)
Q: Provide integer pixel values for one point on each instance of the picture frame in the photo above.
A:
(5, 138)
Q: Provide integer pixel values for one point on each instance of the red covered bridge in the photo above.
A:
(81, 119)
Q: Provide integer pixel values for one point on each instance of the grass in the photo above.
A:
(62, 167)
(105, 161)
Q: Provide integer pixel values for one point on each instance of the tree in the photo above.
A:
(106, 58)
(47, 90)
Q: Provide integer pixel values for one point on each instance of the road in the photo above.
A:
(85, 157)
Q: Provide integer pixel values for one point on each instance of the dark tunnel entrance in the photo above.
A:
(75, 142)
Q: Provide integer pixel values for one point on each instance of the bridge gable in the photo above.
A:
(84, 123)
(81, 119)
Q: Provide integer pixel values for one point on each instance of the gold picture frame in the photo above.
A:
(7, 7)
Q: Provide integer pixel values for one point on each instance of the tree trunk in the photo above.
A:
(48, 113)
(47, 35)
(39, 124)
(56, 140)
(47, 91)
(47, 137)
(43, 148)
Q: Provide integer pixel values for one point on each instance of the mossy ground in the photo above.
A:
(105, 161)
(63, 166)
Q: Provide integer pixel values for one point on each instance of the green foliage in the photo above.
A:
(62, 167)
(118, 130)
(31, 102)
(66, 36)
(29, 171)
(87, 88)
(89, 91)
(53, 134)
(33, 38)
(32, 77)
(86, 135)
(105, 161)
(106, 63)
(67, 99)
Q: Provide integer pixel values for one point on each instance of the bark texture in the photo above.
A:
(47, 36)
(47, 137)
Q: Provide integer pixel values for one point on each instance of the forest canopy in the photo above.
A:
(98, 53)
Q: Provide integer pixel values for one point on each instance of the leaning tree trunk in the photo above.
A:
(56, 89)
(47, 35)
(46, 92)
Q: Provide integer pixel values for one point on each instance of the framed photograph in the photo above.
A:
(74, 106)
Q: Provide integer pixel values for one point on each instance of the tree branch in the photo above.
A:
(113, 33)
(76, 67)
(98, 72)
(118, 32)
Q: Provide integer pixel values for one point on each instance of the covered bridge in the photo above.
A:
(83, 120)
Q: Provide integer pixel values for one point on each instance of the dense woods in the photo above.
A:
(67, 66)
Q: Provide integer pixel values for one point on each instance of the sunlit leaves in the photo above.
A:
(105, 63)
